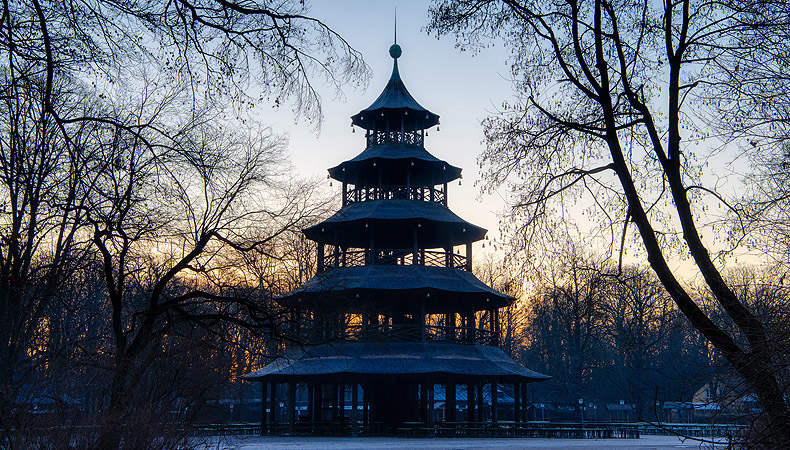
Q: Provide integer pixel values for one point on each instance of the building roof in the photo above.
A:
(395, 107)
(438, 226)
(397, 358)
(361, 284)
(425, 169)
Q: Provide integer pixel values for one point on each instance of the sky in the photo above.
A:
(461, 88)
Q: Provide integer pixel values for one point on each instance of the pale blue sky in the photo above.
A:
(463, 89)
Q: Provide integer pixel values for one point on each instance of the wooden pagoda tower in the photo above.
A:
(394, 311)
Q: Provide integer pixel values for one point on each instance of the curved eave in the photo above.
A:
(393, 221)
(393, 117)
(395, 159)
(398, 358)
(402, 286)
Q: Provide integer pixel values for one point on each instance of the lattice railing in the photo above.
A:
(394, 257)
(427, 194)
(394, 137)
(413, 333)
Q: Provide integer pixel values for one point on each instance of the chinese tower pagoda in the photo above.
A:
(396, 328)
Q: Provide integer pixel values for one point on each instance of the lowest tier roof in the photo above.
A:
(401, 287)
(393, 221)
(393, 161)
(397, 358)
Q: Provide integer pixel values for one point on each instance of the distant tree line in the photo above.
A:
(607, 334)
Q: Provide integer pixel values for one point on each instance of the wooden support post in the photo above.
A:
(291, 405)
(311, 401)
(497, 328)
(494, 403)
(524, 401)
(415, 260)
(449, 394)
(470, 327)
(470, 402)
(516, 402)
(469, 256)
(365, 406)
(272, 407)
(480, 403)
(341, 401)
(430, 411)
(264, 386)
(335, 403)
(320, 251)
(354, 401)
(424, 402)
(415, 397)
(422, 320)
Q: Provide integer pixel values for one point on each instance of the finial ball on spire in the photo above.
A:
(395, 51)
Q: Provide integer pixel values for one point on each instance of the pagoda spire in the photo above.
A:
(395, 108)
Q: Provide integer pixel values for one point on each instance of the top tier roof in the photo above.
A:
(395, 109)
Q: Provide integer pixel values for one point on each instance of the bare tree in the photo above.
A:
(605, 87)
(639, 318)
(170, 203)
(565, 329)
(60, 149)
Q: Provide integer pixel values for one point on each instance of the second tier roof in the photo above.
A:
(394, 222)
(395, 159)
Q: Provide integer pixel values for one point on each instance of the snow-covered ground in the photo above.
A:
(317, 443)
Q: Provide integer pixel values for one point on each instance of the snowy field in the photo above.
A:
(306, 443)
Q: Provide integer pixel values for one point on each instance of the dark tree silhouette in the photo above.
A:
(605, 88)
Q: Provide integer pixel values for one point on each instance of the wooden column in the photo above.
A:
(497, 328)
(422, 320)
(424, 402)
(415, 260)
(311, 404)
(264, 388)
(415, 396)
(516, 402)
(470, 402)
(365, 406)
(335, 403)
(320, 251)
(480, 403)
(449, 395)
(494, 403)
(430, 403)
(354, 401)
(469, 256)
(291, 405)
(272, 407)
(524, 401)
(341, 401)
(318, 402)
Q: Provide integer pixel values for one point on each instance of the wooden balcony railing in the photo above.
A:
(428, 194)
(396, 257)
(394, 137)
(407, 333)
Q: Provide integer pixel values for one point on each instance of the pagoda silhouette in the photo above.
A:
(394, 317)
